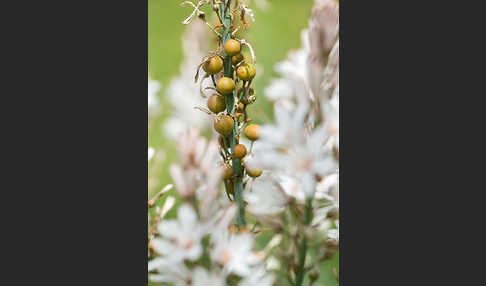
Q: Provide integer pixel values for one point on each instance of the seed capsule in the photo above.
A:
(252, 70)
(232, 47)
(227, 172)
(217, 103)
(254, 173)
(243, 72)
(240, 151)
(246, 72)
(237, 58)
(251, 132)
(223, 124)
(226, 85)
(213, 66)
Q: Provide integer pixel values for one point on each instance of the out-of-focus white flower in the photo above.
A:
(169, 272)
(180, 239)
(328, 188)
(288, 150)
(234, 252)
(168, 204)
(182, 93)
(265, 198)
(201, 277)
(153, 101)
(198, 172)
(151, 153)
(293, 82)
(258, 277)
(272, 263)
(333, 234)
(330, 112)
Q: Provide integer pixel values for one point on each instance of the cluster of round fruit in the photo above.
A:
(240, 152)
(224, 124)
(226, 85)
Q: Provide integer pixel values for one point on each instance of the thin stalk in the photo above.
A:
(230, 99)
(303, 248)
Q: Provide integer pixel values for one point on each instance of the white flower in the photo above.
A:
(333, 234)
(198, 172)
(290, 151)
(328, 188)
(169, 272)
(258, 277)
(201, 277)
(330, 112)
(182, 93)
(294, 76)
(265, 198)
(181, 238)
(151, 153)
(234, 252)
(153, 101)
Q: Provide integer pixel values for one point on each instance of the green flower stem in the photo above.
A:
(303, 248)
(230, 99)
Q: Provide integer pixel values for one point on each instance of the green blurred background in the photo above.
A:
(275, 32)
